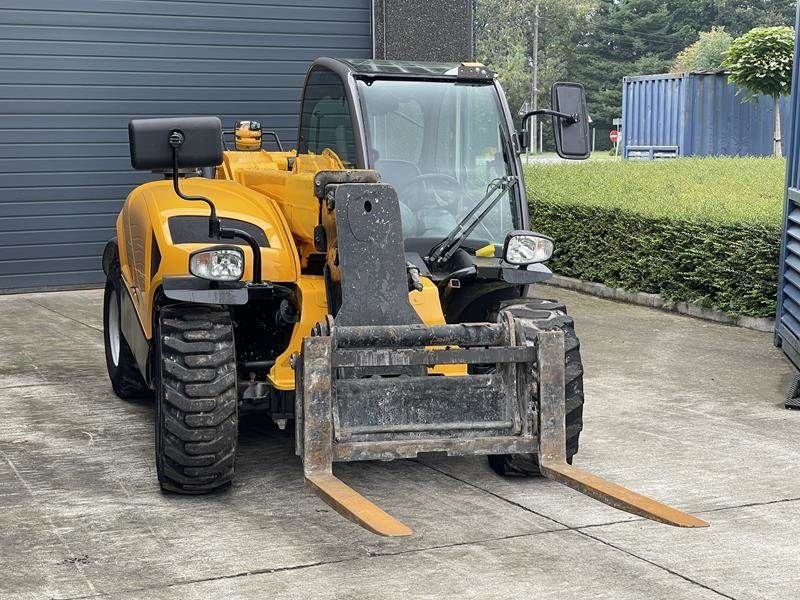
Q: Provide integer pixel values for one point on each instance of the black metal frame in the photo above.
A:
(333, 393)
(274, 135)
(532, 378)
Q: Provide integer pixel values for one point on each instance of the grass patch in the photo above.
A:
(705, 231)
(724, 190)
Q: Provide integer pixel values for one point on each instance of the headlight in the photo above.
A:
(525, 248)
(218, 264)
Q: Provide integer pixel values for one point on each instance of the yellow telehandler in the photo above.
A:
(369, 288)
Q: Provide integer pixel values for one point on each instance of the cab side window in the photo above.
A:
(325, 120)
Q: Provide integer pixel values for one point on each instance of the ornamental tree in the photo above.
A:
(706, 54)
(761, 62)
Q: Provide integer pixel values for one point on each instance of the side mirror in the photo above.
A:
(179, 143)
(572, 135)
(151, 147)
(570, 121)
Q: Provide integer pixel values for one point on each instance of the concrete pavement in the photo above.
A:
(687, 411)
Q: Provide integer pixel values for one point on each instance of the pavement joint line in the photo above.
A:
(698, 512)
(369, 555)
(748, 504)
(491, 493)
(655, 564)
(580, 531)
(372, 554)
(564, 526)
(174, 584)
(73, 319)
(512, 536)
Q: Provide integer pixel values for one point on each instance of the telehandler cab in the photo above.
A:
(370, 287)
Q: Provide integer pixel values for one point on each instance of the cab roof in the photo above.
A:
(371, 68)
(368, 66)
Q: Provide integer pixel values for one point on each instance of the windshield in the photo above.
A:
(440, 144)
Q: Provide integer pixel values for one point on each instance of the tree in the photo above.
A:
(504, 42)
(502, 46)
(761, 62)
(598, 42)
(626, 38)
(706, 54)
(641, 37)
(738, 17)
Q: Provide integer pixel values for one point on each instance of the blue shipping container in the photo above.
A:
(696, 114)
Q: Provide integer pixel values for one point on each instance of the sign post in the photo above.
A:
(614, 134)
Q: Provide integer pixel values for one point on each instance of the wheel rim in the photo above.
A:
(113, 327)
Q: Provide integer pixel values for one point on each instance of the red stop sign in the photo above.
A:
(614, 135)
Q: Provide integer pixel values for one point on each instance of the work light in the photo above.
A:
(222, 263)
(525, 248)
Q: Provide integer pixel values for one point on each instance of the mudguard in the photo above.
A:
(110, 254)
(157, 232)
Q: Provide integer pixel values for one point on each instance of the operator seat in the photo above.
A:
(398, 173)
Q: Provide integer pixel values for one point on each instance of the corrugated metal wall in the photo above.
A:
(787, 319)
(696, 115)
(652, 108)
(72, 74)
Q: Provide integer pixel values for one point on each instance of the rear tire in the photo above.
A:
(532, 315)
(126, 379)
(196, 398)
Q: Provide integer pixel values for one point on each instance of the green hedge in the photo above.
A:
(709, 258)
(726, 190)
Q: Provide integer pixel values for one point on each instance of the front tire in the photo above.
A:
(532, 315)
(196, 397)
(126, 380)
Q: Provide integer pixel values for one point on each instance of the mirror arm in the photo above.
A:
(569, 118)
(215, 229)
(176, 139)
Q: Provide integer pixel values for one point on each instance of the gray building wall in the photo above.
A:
(74, 73)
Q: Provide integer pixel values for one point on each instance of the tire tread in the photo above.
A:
(532, 315)
(197, 420)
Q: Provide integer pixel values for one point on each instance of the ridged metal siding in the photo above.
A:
(72, 74)
(652, 109)
(699, 115)
(787, 319)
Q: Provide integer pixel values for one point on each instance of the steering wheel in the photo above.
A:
(423, 180)
(420, 187)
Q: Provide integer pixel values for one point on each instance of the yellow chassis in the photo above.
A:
(259, 188)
